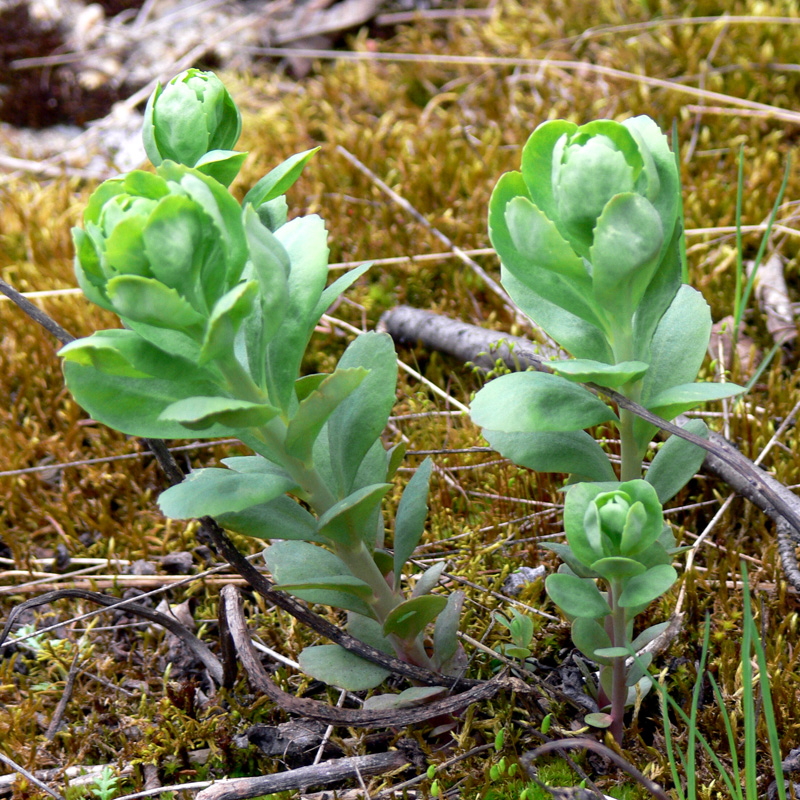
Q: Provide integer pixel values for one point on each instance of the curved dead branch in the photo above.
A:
(234, 625)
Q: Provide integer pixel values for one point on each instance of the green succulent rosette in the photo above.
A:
(217, 308)
(621, 521)
(163, 251)
(194, 121)
(588, 230)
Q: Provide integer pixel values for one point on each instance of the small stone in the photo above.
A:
(521, 578)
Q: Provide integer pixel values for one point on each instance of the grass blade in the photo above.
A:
(729, 732)
(766, 697)
(748, 701)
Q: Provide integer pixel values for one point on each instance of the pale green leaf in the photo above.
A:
(677, 399)
(359, 421)
(429, 580)
(212, 491)
(281, 518)
(410, 618)
(345, 521)
(151, 302)
(316, 408)
(295, 562)
(201, 412)
(587, 371)
(336, 666)
(227, 316)
(648, 586)
(676, 462)
(279, 180)
(571, 452)
(588, 635)
(578, 597)
(540, 402)
(624, 253)
(445, 632)
(415, 696)
(134, 405)
(409, 523)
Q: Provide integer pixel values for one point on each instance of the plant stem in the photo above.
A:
(619, 690)
(631, 467)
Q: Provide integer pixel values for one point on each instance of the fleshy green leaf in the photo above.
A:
(409, 619)
(294, 562)
(173, 241)
(273, 213)
(676, 462)
(648, 586)
(564, 552)
(624, 254)
(359, 421)
(257, 464)
(409, 523)
(270, 265)
(611, 375)
(415, 696)
(598, 719)
(666, 200)
(278, 180)
(384, 561)
(578, 499)
(617, 568)
(537, 240)
(677, 399)
(305, 241)
(340, 285)
(578, 597)
(126, 354)
(369, 631)
(150, 301)
(221, 165)
(345, 522)
(281, 518)
(429, 580)
(212, 491)
(647, 636)
(677, 350)
(227, 316)
(334, 665)
(348, 584)
(571, 451)
(537, 162)
(588, 635)
(571, 295)
(580, 338)
(224, 263)
(308, 383)
(201, 412)
(541, 402)
(445, 633)
(317, 407)
(134, 405)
